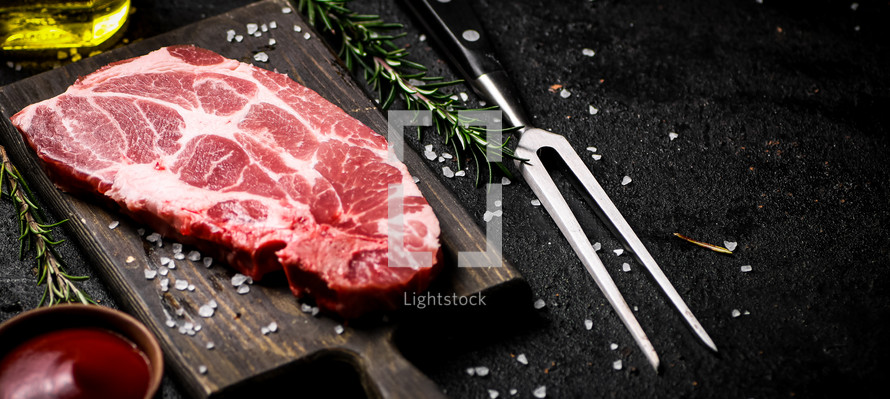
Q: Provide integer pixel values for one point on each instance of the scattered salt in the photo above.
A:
(181, 285)
(212, 303)
(153, 237)
(618, 252)
(565, 93)
(588, 52)
(416, 179)
(230, 35)
(264, 28)
(130, 259)
(306, 36)
(464, 96)
(252, 28)
(338, 329)
(617, 364)
(447, 172)
(170, 323)
(261, 57)
(194, 256)
(286, 10)
(536, 202)
(736, 313)
(164, 260)
(471, 371)
(498, 203)
(539, 304)
(447, 155)
(272, 42)
(113, 225)
(460, 173)
(202, 369)
(487, 216)
(588, 324)
(150, 274)
(747, 268)
(273, 25)
(592, 110)
(596, 157)
(422, 38)
(239, 38)
(482, 371)
(163, 270)
(854, 6)
(597, 246)
(205, 311)
(208, 261)
(625, 267)
(210, 345)
(243, 289)
(591, 149)
(673, 135)
(191, 287)
(493, 394)
(505, 181)
(730, 245)
(626, 180)
(297, 28)
(273, 326)
(441, 159)
(498, 213)
(264, 330)
(522, 359)
(540, 392)
(430, 155)
(171, 265)
(613, 346)
(238, 279)
(513, 391)
(140, 231)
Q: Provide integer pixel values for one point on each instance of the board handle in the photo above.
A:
(386, 374)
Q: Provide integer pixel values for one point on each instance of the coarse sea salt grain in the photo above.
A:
(212, 303)
(243, 289)
(264, 27)
(536, 202)
(202, 369)
(471, 371)
(273, 326)
(252, 28)
(238, 279)
(597, 246)
(618, 252)
(150, 274)
(194, 256)
(592, 110)
(625, 267)
(447, 172)
(261, 57)
(273, 25)
(163, 270)
(522, 359)
(539, 304)
(565, 93)
(730, 245)
(493, 394)
(272, 42)
(613, 346)
(460, 173)
(164, 260)
(482, 371)
(297, 28)
(746, 268)
(673, 135)
(239, 38)
(591, 149)
(176, 247)
(617, 365)
(487, 216)
(513, 391)
(230, 35)
(596, 157)
(113, 225)
(736, 313)
(540, 392)
(588, 52)
(205, 311)
(626, 180)
(338, 329)
(153, 237)
(588, 324)
(286, 10)
(306, 36)
(210, 345)
(181, 285)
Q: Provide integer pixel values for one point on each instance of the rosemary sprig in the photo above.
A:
(366, 43)
(34, 233)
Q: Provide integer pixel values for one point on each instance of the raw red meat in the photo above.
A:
(242, 161)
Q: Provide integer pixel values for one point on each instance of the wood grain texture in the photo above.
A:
(241, 353)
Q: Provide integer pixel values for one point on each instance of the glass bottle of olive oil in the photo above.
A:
(40, 25)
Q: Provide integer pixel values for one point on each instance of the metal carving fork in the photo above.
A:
(453, 24)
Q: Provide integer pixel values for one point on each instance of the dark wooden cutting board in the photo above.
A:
(241, 353)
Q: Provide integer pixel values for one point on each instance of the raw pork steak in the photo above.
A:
(245, 163)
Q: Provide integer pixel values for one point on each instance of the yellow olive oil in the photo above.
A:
(40, 25)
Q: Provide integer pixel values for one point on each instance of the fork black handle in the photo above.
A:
(454, 26)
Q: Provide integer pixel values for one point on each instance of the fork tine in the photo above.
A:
(619, 226)
(541, 182)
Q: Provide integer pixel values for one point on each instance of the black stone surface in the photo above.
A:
(781, 110)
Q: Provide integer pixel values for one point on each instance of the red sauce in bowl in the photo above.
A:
(75, 363)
